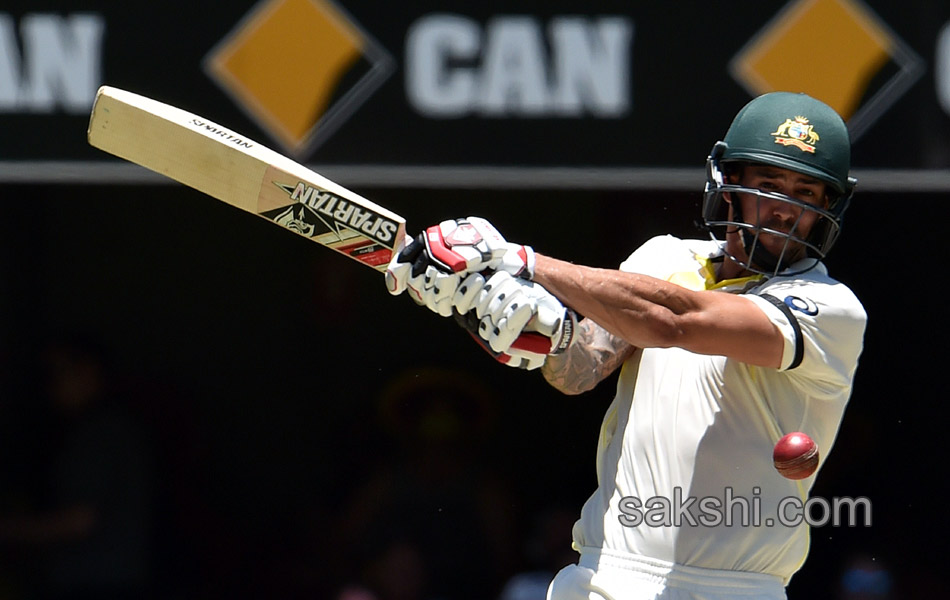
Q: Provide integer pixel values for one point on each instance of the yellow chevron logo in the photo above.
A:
(838, 51)
(299, 68)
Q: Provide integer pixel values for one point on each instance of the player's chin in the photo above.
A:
(779, 246)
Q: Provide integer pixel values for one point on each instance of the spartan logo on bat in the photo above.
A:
(324, 212)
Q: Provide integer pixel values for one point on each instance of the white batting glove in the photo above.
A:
(401, 264)
(427, 285)
(516, 321)
(503, 308)
(472, 245)
(434, 290)
(431, 266)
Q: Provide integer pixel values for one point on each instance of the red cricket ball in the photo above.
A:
(795, 455)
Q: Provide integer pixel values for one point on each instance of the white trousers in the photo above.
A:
(602, 576)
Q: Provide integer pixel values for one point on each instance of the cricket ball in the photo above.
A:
(795, 456)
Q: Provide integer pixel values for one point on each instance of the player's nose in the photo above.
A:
(784, 210)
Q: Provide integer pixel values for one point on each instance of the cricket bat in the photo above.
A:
(235, 169)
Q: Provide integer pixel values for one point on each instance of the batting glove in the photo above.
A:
(518, 322)
(432, 265)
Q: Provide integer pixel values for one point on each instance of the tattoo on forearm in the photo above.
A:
(593, 356)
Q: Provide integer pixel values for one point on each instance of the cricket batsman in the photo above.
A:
(723, 344)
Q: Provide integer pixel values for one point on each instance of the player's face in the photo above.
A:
(775, 214)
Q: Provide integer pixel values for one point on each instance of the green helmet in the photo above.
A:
(791, 131)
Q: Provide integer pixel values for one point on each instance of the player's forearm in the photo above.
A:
(651, 313)
(593, 356)
(644, 311)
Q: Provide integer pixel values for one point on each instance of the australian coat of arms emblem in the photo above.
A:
(797, 132)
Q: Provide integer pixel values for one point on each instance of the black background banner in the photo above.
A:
(681, 94)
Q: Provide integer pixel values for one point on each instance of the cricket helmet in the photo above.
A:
(791, 131)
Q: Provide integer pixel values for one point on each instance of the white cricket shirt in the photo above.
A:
(703, 427)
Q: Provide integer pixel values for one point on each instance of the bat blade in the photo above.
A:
(234, 169)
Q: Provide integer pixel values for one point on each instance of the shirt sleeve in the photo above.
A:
(653, 257)
(823, 326)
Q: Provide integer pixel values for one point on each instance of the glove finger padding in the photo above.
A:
(556, 325)
(402, 263)
(503, 310)
(434, 289)
(523, 359)
(519, 359)
(499, 292)
(519, 318)
(550, 316)
(501, 334)
(468, 292)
